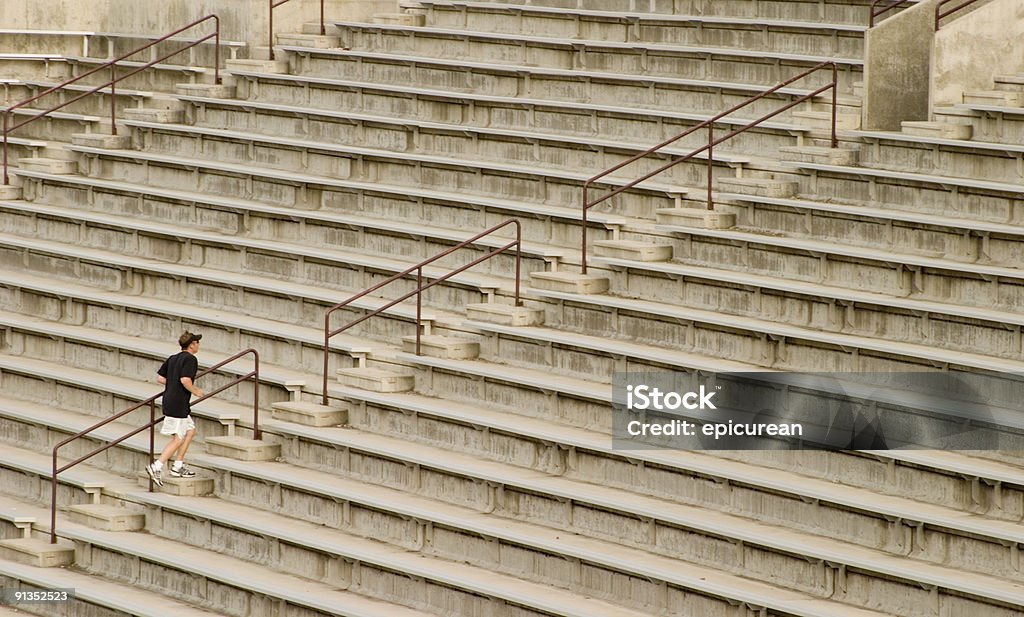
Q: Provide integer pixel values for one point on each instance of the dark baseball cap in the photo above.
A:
(187, 338)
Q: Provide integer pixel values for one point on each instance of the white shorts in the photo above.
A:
(177, 426)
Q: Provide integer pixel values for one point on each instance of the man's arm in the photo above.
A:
(187, 383)
(161, 374)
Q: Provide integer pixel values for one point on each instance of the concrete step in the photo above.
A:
(49, 165)
(700, 218)
(823, 120)
(101, 140)
(10, 191)
(310, 414)
(242, 449)
(1000, 98)
(631, 249)
(400, 19)
(106, 517)
(570, 282)
(182, 487)
(159, 116)
(941, 130)
(263, 66)
(1010, 83)
(375, 380)
(94, 595)
(215, 91)
(442, 347)
(505, 314)
(315, 41)
(816, 154)
(761, 187)
(37, 552)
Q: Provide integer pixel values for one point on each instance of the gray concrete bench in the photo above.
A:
(582, 46)
(485, 283)
(489, 205)
(229, 572)
(530, 78)
(473, 136)
(946, 183)
(771, 333)
(544, 541)
(441, 460)
(82, 479)
(416, 126)
(113, 598)
(815, 291)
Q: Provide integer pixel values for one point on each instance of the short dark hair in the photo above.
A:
(187, 338)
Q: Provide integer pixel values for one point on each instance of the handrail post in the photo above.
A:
(113, 95)
(256, 432)
(53, 499)
(835, 90)
(711, 158)
(216, 49)
(327, 338)
(152, 431)
(323, 28)
(519, 246)
(7, 113)
(586, 205)
(270, 38)
(419, 305)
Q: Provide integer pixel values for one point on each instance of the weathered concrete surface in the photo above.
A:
(241, 20)
(969, 50)
(896, 60)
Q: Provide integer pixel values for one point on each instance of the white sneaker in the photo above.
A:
(154, 475)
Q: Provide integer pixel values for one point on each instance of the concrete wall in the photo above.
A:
(241, 20)
(897, 56)
(972, 48)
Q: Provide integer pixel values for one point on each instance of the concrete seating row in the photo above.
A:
(819, 305)
(366, 572)
(534, 115)
(418, 133)
(269, 305)
(405, 507)
(425, 145)
(578, 85)
(837, 11)
(160, 562)
(994, 200)
(541, 222)
(93, 594)
(957, 238)
(652, 58)
(980, 160)
(491, 180)
(750, 32)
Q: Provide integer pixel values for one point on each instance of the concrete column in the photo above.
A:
(897, 57)
(973, 47)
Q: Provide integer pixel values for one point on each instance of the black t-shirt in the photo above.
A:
(176, 397)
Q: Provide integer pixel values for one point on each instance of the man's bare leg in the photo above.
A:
(183, 446)
(169, 449)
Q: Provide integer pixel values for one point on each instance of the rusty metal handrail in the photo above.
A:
(420, 287)
(153, 421)
(709, 147)
(274, 5)
(940, 14)
(876, 12)
(114, 78)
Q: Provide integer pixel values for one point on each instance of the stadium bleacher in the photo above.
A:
(480, 477)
